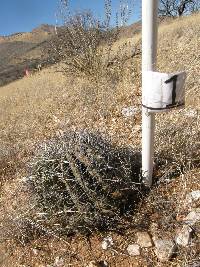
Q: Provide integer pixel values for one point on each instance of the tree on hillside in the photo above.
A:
(173, 8)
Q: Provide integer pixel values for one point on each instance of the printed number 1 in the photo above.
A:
(174, 80)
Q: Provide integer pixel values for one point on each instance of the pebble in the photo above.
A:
(35, 251)
(59, 262)
(192, 197)
(144, 239)
(164, 249)
(107, 243)
(193, 217)
(133, 250)
(129, 111)
(184, 236)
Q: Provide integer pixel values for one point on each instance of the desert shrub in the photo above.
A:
(177, 142)
(82, 183)
(77, 44)
(84, 44)
(9, 160)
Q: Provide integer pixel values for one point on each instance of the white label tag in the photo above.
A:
(162, 91)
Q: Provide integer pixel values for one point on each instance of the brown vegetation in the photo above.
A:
(37, 108)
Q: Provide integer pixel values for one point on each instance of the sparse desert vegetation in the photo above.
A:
(70, 159)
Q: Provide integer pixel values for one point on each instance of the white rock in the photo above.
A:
(164, 249)
(55, 119)
(193, 196)
(129, 111)
(26, 179)
(184, 236)
(193, 217)
(107, 243)
(133, 250)
(59, 133)
(35, 251)
(59, 262)
(144, 240)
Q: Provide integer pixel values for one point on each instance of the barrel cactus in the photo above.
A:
(82, 182)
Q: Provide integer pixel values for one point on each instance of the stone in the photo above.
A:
(193, 217)
(164, 249)
(133, 250)
(184, 236)
(107, 243)
(59, 262)
(129, 111)
(192, 197)
(144, 240)
(35, 251)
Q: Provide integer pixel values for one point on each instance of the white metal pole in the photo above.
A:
(149, 55)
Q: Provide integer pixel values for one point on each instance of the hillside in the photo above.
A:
(22, 51)
(25, 50)
(36, 112)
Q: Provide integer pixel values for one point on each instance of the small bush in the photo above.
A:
(177, 142)
(82, 183)
(84, 44)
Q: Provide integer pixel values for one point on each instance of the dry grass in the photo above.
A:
(39, 107)
(179, 47)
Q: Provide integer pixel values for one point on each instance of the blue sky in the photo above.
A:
(24, 15)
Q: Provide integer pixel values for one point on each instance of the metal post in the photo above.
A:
(149, 54)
